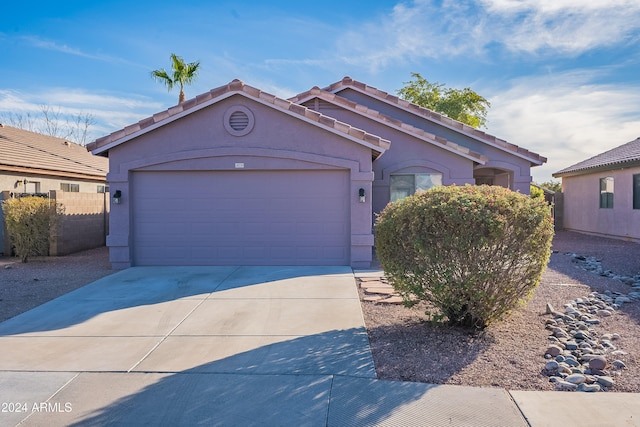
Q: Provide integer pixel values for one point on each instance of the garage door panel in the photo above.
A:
(241, 217)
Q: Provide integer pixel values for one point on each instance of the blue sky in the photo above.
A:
(562, 76)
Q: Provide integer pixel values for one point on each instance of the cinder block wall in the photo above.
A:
(83, 224)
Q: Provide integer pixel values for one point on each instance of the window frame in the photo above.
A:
(413, 189)
(606, 192)
(635, 182)
(72, 188)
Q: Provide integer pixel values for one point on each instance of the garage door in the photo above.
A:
(241, 218)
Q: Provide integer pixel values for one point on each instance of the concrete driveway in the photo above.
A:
(216, 346)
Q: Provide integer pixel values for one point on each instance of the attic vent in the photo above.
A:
(238, 120)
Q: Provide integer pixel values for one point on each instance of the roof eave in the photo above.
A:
(596, 169)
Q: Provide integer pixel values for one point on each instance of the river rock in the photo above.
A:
(589, 388)
(576, 378)
(553, 350)
(618, 364)
(551, 366)
(598, 362)
(605, 381)
(565, 386)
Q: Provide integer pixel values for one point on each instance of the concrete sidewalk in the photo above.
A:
(233, 346)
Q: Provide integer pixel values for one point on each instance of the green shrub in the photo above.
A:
(29, 221)
(536, 192)
(473, 252)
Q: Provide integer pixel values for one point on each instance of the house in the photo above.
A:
(36, 164)
(602, 193)
(240, 176)
(427, 148)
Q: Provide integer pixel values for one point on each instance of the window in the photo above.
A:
(405, 185)
(70, 188)
(636, 191)
(606, 192)
(101, 188)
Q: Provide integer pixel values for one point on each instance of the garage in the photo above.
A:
(272, 217)
(237, 176)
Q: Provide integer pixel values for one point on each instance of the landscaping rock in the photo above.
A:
(589, 388)
(578, 350)
(598, 362)
(618, 364)
(553, 350)
(576, 378)
(605, 381)
(562, 385)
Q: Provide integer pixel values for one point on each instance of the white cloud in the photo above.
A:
(568, 121)
(111, 112)
(56, 46)
(437, 29)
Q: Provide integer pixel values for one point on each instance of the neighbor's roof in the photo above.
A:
(441, 142)
(348, 82)
(623, 156)
(102, 145)
(29, 152)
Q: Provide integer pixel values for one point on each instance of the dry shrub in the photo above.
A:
(29, 222)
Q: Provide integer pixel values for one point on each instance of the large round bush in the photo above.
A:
(472, 252)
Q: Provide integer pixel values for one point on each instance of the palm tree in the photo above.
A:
(182, 74)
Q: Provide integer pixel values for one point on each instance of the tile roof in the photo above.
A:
(615, 158)
(316, 92)
(102, 145)
(348, 82)
(30, 152)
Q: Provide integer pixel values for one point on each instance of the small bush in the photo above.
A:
(29, 222)
(473, 252)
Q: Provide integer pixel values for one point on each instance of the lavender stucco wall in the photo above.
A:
(582, 210)
(407, 154)
(278, 141)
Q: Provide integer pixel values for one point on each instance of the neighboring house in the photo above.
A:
(239, 176)
(35, 164)
(602, 194)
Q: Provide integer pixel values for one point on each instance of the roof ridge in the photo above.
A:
(432, 115)
(332, 97)
(238, 86)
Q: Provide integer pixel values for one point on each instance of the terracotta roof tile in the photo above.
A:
(436, 117)
(102, 145)
(22, 150)
(617, 157)
(363, 109)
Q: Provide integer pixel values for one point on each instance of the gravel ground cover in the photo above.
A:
(510, 354)
(405, 346)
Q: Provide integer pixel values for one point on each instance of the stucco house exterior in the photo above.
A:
(237, 176)
(427, 148)
(36, 164)
(602, 193)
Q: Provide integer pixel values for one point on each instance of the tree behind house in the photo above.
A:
(463, 105)
(181, 74)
